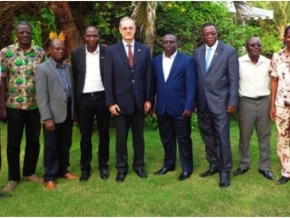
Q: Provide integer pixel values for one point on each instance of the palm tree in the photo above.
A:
(144, 16)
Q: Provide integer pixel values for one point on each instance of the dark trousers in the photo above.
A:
(123, 123)
(56, 149)
(215, 132)
(172, 129)
(17, 119)
(93, 107)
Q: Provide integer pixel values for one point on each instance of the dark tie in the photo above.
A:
(130, 55)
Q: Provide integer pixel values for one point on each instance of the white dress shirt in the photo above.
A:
(254, 78)
(126, 46)
(167, 64)
(93, 80)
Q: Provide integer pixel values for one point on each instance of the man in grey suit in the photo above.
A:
(54, 95)
(217, 69)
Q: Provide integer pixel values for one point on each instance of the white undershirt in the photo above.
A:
(93, 80)
(167, 64)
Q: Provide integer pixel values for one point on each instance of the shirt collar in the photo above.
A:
(212, 47)
(57, 65)
(125, 43)
(16, 45)
(95, 52)
(171, 57)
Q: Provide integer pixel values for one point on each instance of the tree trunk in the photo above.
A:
(65, 23)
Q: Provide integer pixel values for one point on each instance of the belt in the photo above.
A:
(257, 98)
(92, 93)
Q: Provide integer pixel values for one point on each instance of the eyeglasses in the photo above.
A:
(255, 44)
(168, 42)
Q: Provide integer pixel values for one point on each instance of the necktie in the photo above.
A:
(130, 55)
(207, 59)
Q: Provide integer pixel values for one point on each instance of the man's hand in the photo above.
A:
(147, 106)
(231, 109)
(114, 109)
(187, 113)
(49, 125)
(273, 113)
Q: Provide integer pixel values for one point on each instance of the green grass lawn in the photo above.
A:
(248, 195)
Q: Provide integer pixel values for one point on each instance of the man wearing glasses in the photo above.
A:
(254, 103)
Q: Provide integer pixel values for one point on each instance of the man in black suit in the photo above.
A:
(88, 72)
(217, 69)
(128, 94)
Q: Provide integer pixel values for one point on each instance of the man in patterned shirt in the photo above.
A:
(18, 62)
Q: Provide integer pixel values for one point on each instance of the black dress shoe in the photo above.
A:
(85, 176)
(240, 171)
(267, 174)
(164, 170)
(121, 176)
(184, 175)
(211, 171)
(283, 180)
(224, 179)
(104, 174)
(141, 173)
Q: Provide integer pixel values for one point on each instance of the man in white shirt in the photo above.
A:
(88, 70)
(175, 87)
(254, 103)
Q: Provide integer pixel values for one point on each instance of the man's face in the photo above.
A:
(23, 34)
(127, 30)
(209, 35)
(287, 39)
(92, 37)
(57, 51)
(169, 44)
(254, 47)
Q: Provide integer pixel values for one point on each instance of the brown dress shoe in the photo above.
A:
(50, 185)
(33, 178)
(70, 176)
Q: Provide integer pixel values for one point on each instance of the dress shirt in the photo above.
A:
(213, 49)
(167, 64)
(93, 80)
(126, 47)
(254, 78)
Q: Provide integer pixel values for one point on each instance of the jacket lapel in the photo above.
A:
(216, 56)
(175, 62)
(123, 52)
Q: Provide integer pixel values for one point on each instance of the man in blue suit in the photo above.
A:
(217, 69)
(174, 87)
(128, 88)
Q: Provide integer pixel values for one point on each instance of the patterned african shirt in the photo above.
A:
(18, 68)
(280, 67)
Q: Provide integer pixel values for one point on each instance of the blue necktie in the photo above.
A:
(207, 59)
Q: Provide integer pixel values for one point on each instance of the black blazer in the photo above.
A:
(124, 85)
(79, 67)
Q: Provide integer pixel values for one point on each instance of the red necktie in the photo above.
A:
(130, 55)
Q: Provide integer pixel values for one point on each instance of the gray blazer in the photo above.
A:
(219, 87)
(50, 94)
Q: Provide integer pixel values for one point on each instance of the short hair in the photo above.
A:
(286, 30)
(92, 27)
(126, 18)
(249, 39)
(208, 24)
(23, 23)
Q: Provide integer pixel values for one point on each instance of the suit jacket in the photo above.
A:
(219, 87)
(79, 67)
(177, 93)
(50, 94)
(125, 86)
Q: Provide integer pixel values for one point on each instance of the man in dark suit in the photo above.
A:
(217, 70)
(174, 78)
(88, 72)
(54, 94)
(128, 94)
